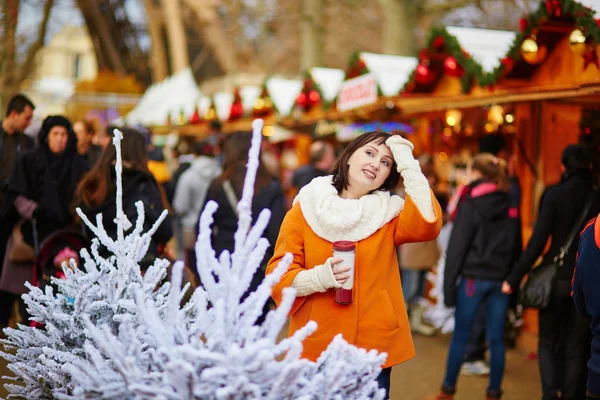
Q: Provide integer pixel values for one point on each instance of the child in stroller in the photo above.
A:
(59, 247)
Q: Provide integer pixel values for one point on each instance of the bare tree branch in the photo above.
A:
(27, 65)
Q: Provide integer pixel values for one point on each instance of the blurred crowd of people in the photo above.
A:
(72, 165)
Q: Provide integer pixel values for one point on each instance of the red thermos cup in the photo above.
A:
(346, 251)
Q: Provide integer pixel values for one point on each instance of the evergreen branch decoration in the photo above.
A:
(581, 16)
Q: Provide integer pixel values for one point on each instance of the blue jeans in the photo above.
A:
(384, 381)
(413, 284)
(473, 293)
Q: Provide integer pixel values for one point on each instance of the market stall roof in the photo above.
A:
(486, 46)
(391, 72)
(170, 96)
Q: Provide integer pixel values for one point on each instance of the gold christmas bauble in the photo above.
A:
(577, 42)
(532, 53)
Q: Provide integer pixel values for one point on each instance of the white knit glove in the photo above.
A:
(415, 183)
(318, 279)
(402, 152)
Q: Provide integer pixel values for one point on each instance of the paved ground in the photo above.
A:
(423, 375)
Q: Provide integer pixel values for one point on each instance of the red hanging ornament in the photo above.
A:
(195, 119)
(451, 67)
(598, 22)
(438, 43)
(360, 65)
(314, 97)
(301, 100)
(591, 57)
(554, 8)
(523, 24)
(309, 97)
(237, 108)
(423, 54)
(508, 63)
(424, 75)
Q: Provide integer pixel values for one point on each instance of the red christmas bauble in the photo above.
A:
(439, 43)
(508, 63)
(423, 54)
(451, 67)
(314, 97)
(195, 119)
(424, 75)
(236, 112)
(301, 100)
(523, 24)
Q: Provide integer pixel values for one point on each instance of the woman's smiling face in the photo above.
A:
(369, 167)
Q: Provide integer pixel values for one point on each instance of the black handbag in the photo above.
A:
(537, 291)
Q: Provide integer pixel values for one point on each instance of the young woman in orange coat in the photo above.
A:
(355, 204)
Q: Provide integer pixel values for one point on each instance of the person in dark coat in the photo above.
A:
(41, 189)
(267, 194)
(483, 246)
(322, 158)
(98, 189)
(564, 336)
(13, 142)
(587, 297)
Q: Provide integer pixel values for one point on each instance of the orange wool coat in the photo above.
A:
(377, 318)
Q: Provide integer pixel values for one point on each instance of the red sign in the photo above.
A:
(357, 92)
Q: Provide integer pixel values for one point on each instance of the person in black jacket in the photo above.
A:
(586, 281)
(564, 336)
(40, 191)
(483, 246)
(267, 194)
(98, 189)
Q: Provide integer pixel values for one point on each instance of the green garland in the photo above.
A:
(582, 16)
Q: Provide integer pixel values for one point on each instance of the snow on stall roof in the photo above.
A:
(173, 94)
(391, 72)
(329, 80)
(486, 46)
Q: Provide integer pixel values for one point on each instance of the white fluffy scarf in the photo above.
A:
(333, 218)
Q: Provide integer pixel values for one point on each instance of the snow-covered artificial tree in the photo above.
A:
(440, 316)
(111, 333)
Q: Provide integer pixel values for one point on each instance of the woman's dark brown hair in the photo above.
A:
(235, 159)
(98, 184)
(492, 169)
(340, 170)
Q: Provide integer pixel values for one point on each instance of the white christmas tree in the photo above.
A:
(126, 336)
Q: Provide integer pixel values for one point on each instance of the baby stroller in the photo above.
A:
(55, 243)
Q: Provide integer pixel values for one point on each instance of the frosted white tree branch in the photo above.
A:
(112, 333)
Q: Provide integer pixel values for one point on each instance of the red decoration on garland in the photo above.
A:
(523, 24)
(589, 58)
(598, 22)
(237, 108)
(424, 75)
(451, 67)
(195, 119)
(439, 43)
(423, 55)
(508, 63)
(309, 97)
(554, 9)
